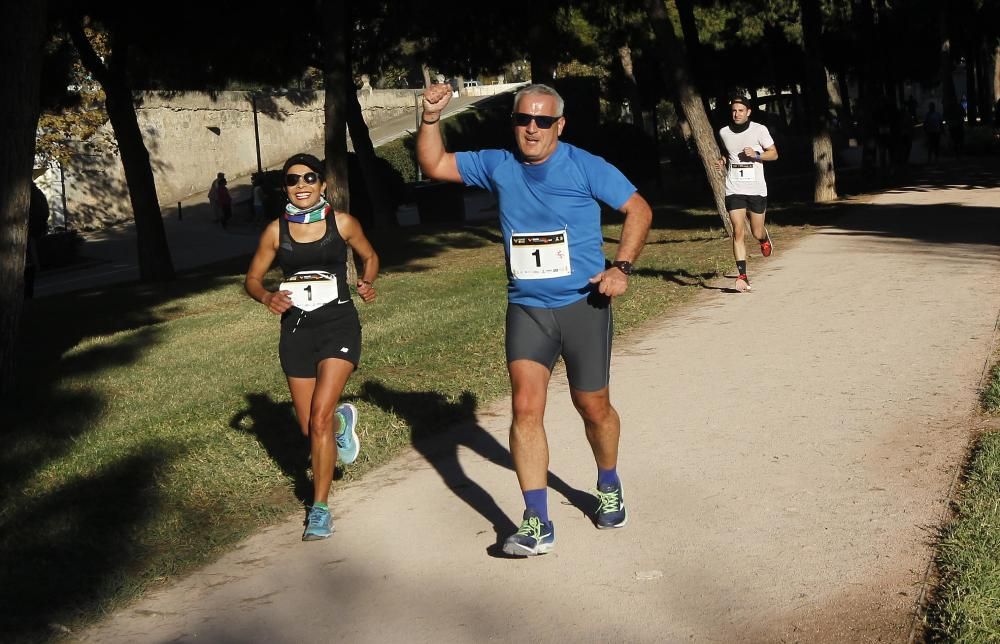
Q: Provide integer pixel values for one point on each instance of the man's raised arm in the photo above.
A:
(436, 162)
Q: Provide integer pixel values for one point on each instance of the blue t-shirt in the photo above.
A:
(551, 207)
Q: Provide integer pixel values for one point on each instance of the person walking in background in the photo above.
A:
(38, 227)
(320, 340)
(747, 145)
(225, 201)
(258, 200)
(560, 287)
(213, 197)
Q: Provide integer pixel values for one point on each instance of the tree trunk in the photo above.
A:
(983, 83)
(677, 75)
(817, 84)
(335, 14)
(864, 20)
(845, 97)
(541, 39)
(22, 35)
(337, 23)
(631, 87)
(155, 264)
(426, 71)
(361, 138)
(944, 61)
(996, 76)
(971, 93)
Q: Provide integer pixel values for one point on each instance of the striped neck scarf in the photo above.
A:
(309, 215)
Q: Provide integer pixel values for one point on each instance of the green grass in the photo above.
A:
(153, 428)
(991, 394)
(966, 603)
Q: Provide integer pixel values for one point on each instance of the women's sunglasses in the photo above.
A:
(543, 122)
(309, 177)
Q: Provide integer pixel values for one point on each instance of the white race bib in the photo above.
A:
(743, 172)
(311, 289)
(537, 256)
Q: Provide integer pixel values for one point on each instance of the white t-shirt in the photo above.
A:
(745, 177)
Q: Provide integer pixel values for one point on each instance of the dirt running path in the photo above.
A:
(786, 457)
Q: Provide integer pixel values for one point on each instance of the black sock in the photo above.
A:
(741, 266)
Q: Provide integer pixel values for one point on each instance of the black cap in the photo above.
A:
(307, 160)
(739, 99)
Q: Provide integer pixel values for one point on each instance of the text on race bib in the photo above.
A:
(743, 172)
(535, 256)
(311, 289)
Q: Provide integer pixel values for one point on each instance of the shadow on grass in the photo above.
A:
(68, 552)
(439, 428)
(681, 277)
(278, 432)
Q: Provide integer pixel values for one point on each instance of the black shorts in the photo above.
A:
(580, 333)
(753, 203)
(308, 338)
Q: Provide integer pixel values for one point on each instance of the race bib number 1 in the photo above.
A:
(535, 256)
(311, 289)
(743, 172)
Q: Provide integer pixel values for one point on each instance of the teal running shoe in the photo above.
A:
(319, 525)
(347, 436)
(610, 507)
(534, 537)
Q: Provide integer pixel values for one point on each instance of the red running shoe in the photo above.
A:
(765, 246)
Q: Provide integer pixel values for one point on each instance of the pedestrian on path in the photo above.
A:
(225, 202)
(320, 341)
(747, 145)
(213, 197)
(258, 199)
(559, 289)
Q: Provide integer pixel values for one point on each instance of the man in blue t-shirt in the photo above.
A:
(559, 286)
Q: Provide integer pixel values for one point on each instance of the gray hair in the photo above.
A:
(544, 90)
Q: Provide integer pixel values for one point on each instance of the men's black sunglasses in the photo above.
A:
(543, 122)
(293, 179)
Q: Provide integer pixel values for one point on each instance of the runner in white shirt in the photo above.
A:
(747, 145)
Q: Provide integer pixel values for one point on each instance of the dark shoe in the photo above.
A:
(534, 537)
(611, 511)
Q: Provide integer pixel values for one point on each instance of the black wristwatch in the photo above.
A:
(623, 266)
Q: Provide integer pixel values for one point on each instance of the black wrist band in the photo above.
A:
(426, 122)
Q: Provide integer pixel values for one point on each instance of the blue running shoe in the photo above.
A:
(610, 507)
(347, 436)
(319, 525)
(534, 537)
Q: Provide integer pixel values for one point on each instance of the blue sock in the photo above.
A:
(537, 501)
(607, 477)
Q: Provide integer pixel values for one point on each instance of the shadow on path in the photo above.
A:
(439, 428)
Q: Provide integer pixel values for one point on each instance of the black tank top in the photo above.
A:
(328, 253)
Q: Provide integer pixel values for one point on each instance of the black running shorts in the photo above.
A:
(753, 203)
(580, 333)
(306, 339)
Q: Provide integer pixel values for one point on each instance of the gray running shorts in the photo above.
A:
(580, 333)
